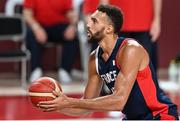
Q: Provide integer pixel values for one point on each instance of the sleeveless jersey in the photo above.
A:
(146, 99)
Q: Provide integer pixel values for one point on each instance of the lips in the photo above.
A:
(89, 33)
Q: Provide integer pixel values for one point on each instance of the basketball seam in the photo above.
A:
(56, 86)
(41, 94)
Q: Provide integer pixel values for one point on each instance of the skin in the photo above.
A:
(155, 28)
(100, 23)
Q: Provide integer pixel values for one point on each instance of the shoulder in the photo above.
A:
(132, 52)
(131, 45)
(131, 49)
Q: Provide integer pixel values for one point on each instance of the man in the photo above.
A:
(142, 21)
(89, 6)
(125, 67)
(55, 22)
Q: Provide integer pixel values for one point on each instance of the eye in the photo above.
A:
(94, 20)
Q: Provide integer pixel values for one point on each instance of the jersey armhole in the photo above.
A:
(96, 59)
(122, 44)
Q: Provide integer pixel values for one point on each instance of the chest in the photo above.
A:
(108, 72)
(107, 66)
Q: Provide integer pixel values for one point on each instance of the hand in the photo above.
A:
(57, 104)
(155, 30)
(40, 35)
(70, 32)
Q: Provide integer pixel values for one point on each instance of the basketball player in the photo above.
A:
(124, 65)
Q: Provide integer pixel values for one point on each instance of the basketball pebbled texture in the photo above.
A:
(42, 90)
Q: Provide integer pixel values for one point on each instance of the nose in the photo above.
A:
(88, 22)
(87, 25)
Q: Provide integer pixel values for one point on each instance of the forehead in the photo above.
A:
(99, 15)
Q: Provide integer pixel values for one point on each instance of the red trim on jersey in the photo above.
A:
(148, 89)
(167, 117)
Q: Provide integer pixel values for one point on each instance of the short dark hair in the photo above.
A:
(115, 15)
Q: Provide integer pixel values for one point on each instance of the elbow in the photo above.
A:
(80, 113)
(120, 103)
(118, 107)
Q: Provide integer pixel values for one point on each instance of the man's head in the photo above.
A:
(105, 20)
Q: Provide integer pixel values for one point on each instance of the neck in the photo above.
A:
(107, 44)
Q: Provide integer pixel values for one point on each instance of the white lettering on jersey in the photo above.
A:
(113, 62)
(112, 89)
(109, 77)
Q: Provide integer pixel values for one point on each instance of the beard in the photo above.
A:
(96, 37)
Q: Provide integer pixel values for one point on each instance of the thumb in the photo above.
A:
(57, 94)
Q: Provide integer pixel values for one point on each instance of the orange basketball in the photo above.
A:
(42, 90)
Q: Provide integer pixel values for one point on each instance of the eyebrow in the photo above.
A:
(94, 19)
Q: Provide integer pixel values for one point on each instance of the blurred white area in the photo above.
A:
(116, 114)
(76, 4)
(10, 6)
(169, 86)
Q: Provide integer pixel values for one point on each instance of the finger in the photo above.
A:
(57, 94)
(47, 102)
(154, 37)
(49, 109)
(46, 106)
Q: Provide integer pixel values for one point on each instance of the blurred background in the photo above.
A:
(14, 82)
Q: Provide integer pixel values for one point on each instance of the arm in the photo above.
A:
(70, 31)
(29, 17)
(124, 82)
(72, 17)
(39, 32)
(92, 90)
(123, 86)
(156, 23)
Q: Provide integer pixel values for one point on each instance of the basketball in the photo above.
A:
(42, 90)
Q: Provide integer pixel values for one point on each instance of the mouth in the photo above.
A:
(89, 33)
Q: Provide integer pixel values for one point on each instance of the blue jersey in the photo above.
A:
(146, 99)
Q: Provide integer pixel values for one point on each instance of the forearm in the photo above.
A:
(157, 9)
(72, 16)
(29, 18)
(105, 103)
(74, 111)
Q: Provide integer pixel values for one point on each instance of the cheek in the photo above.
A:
(93, 29)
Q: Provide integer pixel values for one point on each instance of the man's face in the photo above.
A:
(96, 26)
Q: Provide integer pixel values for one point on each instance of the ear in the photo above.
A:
(109, 29)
